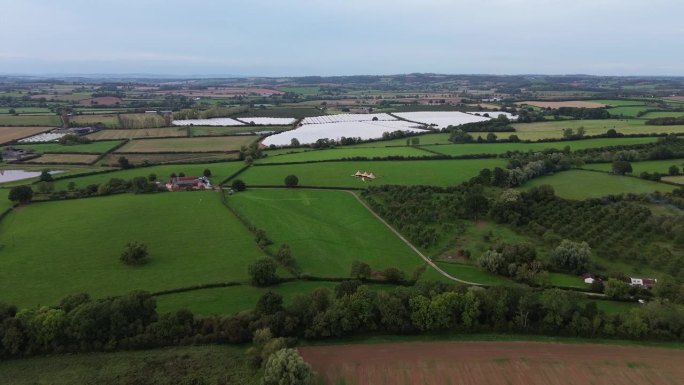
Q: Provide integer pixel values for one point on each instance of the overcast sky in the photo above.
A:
(342, 37)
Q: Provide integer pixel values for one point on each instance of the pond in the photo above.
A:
(12, 175)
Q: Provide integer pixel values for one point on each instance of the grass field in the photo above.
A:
(25, 110)
(338, 174)
(109, 120)
(219, 131)
(223, 143)
(8, 134)
(234, 299)
(441, 138)
(94, 147)
(660, 166)
(346, 152)
(619, 102)
(30, 120)
(580, 184)
(58, 248)
(219, 172)
(498, 148)
(663, 114)
(65, 158)
(464, 271)
(176, 157)
(216, 364)
(326, 230)
(139, 133)
(629, 111)
(554, 129)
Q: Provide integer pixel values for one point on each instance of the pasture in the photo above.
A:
(219, 172)
(138, 133)
(660, 166)
(629, 111)
(9, 134)
(222, 131)
(326, 230)
(496, 362)
(338, 174)
(499, 148)
(65, 158)
(663, 114)
(567, 103)
(435, 138)
(346, 152)
(161, 158)
(93, 147)
(191, 237)
(201, 144)
(233, 299)
(581, 184)
(553, 128)
(108, 120)
(30, 120)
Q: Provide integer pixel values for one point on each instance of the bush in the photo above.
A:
(238, 185)
(21, 194)
(135, 253)
(287, 367)
(291, 181)
(263, 272)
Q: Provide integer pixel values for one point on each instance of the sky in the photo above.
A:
(341, 37)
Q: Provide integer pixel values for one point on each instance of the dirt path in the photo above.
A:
(409, 244)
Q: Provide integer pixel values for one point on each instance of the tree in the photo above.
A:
(263, 272)
(291, 181)
(206, 173)
(152, 177)
(616, 289)
(135, 253)
(673, 170)
(124, 163)
(491, 137)
(45, 187)
(294, 142)
(238, 185)
(287, 367)
(360, 270)
(21, 194)
(45, 176)
(475, 203)
(71, 186)
(415, 141)
(622, 167)
(571, 256)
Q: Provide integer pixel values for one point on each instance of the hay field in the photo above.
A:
(138, 133)
(201, 144)
(9, 134)
(475, 363)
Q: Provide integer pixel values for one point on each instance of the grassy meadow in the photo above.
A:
(346, 152)
(30, 120)
(660, 166)
(326, 230)
(338, 174)
(581, 184)
(200, 144)
(58, 248)
(94, 147)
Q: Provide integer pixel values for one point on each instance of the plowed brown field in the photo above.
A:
(480, 363)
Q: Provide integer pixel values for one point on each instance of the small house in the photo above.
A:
(647, 283)
(188, 182)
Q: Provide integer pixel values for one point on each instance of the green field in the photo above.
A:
(219, 131)
(219, 172)
(25, 110)
(663, 114)
(580, 184)
(629, 111)
(59, 248)
(326, 230)
(313, 90)
(346, 152)
(553, 129)
(441, 138)
(619, 102)
(338, 174)
(467, 272)
(94, 147)
(234, 299)
(499, 148)
(660, 166)
(198, 144)
(30, 120)
(215, 364)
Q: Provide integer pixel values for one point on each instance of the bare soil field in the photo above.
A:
(101, 101)
(515, 363)
(65, 158)
(113, 159)
(139, 133)
(8, 134)
(570, 103)
(216, 143)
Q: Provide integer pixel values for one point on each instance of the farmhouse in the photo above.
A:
(647, 283)
(11, 153)
(188, 182)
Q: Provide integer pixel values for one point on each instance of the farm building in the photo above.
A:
(188, 182)
(12, 154)
(647, 283)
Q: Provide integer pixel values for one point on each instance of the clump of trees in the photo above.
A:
(21, 194)
(516, 261)
(573, 257)
(73, 139)
(238, 185)
(262, 272)
(291, 181)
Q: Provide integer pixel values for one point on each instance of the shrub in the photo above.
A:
(291, 181)
(21, 194)
(238, 185)
(135, 253)
(287, 367)
(263, 272)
